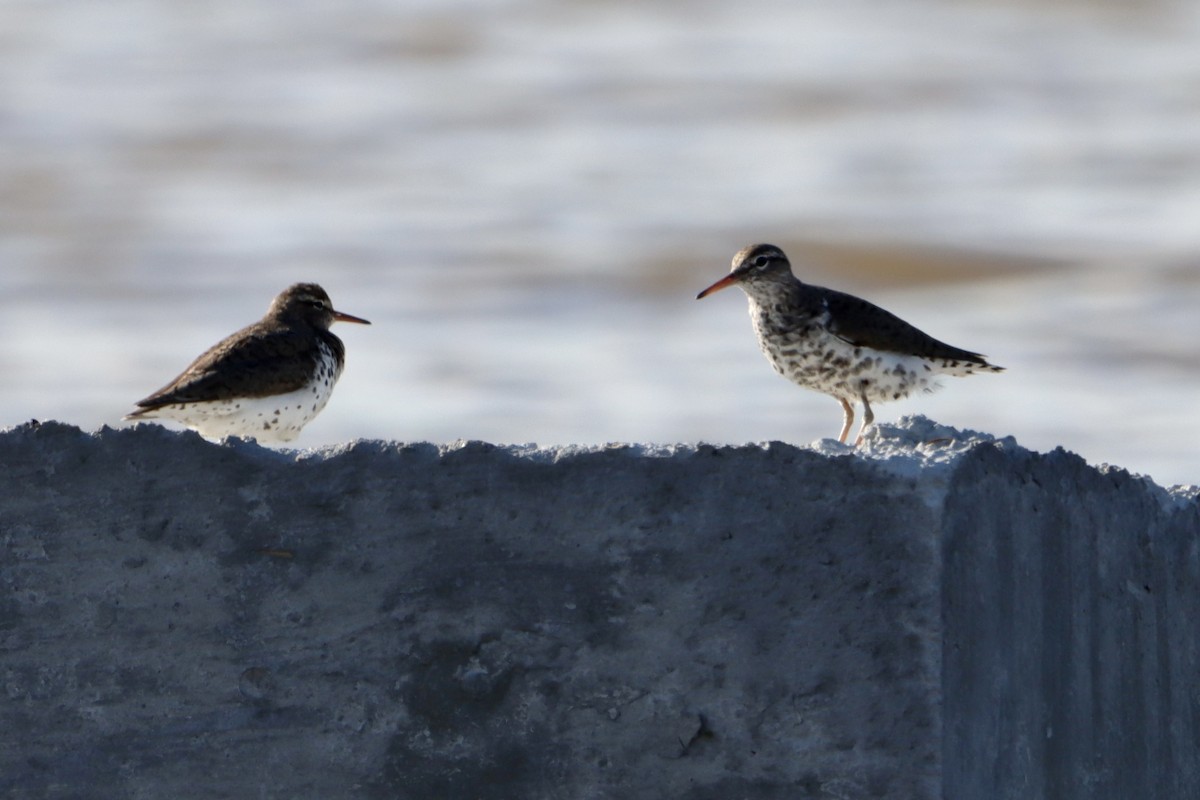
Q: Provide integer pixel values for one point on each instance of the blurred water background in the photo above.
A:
(524, 196)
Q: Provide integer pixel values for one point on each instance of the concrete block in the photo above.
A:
(939, 614)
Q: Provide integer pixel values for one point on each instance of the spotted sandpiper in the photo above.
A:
(836, 343)
(264, 382)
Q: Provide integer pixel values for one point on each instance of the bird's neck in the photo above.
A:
(767, 294)
(333, 343)
(778, 309)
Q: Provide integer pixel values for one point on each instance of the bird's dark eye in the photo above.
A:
(760, 261)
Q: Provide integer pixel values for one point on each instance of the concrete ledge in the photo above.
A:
(939, 615)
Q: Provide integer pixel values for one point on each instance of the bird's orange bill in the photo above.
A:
(728, 280)
(340, 317)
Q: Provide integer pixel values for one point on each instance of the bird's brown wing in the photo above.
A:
(864, 324)
(250, 363)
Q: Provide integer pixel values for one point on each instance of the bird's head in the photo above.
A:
(308, 302)
(758, 265)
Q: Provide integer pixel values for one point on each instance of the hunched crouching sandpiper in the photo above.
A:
(265, 382)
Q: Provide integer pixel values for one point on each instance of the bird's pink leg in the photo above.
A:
(847, 420)
(868, 418)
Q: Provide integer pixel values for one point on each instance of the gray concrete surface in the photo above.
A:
(937, 615)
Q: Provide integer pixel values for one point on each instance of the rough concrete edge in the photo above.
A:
(914, 446)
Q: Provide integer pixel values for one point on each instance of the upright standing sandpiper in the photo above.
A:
(836, 343)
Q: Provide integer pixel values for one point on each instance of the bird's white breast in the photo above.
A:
(272, 419)
(813, 357)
